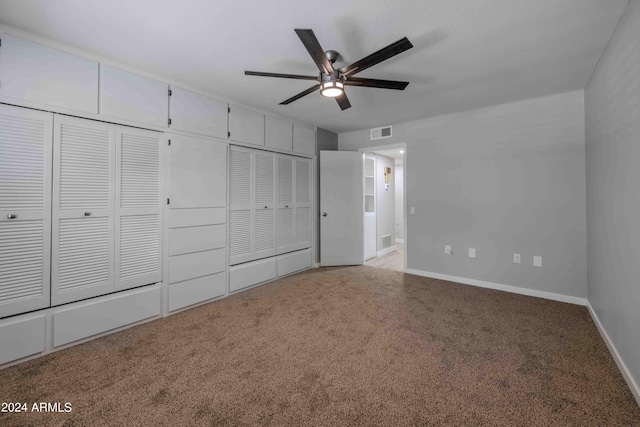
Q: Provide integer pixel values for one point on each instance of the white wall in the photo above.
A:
(612, 98)
(385, 201)
(399, 214)
(504, 179)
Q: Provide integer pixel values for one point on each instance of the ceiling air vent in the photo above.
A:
(381, 133)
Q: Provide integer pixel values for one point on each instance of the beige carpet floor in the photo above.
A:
(343, 347)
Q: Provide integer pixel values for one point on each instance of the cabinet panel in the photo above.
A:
(304, 140)
(278, 133)
(192, 112)
(197, 173)
(246, 125)
(285, 182)
(25, 209)
(193, 291)
(83, 229)
(195, 239)
(34, 73)
(134, 98)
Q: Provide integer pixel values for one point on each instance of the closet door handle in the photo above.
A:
(12, 216)
(324, 214)
(87, 214)
(265, 207)
(286, 206)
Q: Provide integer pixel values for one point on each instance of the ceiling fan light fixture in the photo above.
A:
(332, 88)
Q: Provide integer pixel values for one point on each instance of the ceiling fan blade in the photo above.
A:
(301, 94)
(283, 76)
(343, 101)
(383, 84)
(377, 57)
(312, 44)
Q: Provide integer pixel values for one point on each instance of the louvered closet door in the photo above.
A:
(264, 212)
(83, 209)
(241, 227)
(25, 209)
(137, 216)
(286, 220)
(303, 203)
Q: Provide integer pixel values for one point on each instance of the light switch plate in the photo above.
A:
(447, 249)
(517, 259)
(472, 253)
(412, 210)
(537, 261)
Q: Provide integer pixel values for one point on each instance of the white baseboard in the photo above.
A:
(633, 385)
(399, 240)
(316, 265)
(386, 251)
(507, 288)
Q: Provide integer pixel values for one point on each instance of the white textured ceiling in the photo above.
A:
(467, 53)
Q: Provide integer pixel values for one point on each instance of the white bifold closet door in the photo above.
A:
(252, 205)
(137, 214)
(106, 209)
(294, 204)
(83, 195)
(303, 203)
(25, 209)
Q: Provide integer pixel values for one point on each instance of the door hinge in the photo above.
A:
(170, 92)
(169, 143)
(168, 201)
(228, 109)
(169, 122)
(228, 134)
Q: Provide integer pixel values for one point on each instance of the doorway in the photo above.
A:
(384, 200)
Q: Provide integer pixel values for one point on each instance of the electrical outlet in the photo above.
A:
(537, 261)
(447, 250)
(472, 253)
(412, 210)
(517, 259)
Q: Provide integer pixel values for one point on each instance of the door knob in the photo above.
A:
(324, 214)
(87, 214)
(12, 216)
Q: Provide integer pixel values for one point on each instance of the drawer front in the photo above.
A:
(85, 319)
(196, 217)
(198, 264)
(21, 337)
(193, 291)
(293, 262)
(252, 273)
(196, 239)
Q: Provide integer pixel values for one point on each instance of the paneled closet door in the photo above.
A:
(286, 219)
(137, 214)
(83, 209)
(25, 209)
(241, 224)
(303, 203)
(264, 203)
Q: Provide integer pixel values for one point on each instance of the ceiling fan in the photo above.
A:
(331, 81)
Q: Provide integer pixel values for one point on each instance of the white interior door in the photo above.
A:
(341, 208)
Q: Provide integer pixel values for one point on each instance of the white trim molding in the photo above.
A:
(626, 374)
(506, 288)
(385, 251)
